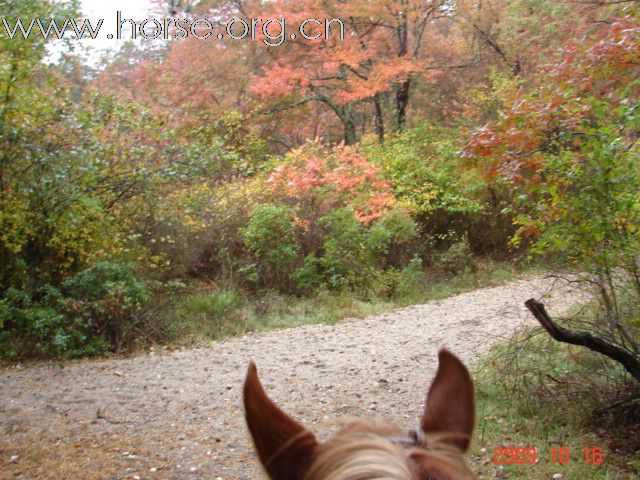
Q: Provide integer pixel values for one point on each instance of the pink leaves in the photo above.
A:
(332, 179)
(280, 81)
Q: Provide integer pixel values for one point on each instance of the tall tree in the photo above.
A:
(381, 54)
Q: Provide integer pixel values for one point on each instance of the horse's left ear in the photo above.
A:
(286, 448)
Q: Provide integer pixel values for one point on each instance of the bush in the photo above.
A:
(445, 191)
(29, 327)
(96, 310)
(389, 238)
(411, 280)
(426, 172)
(457, 257)
(42, 328)
(355, 256)
(319, 180)
(308, 277)
(109, 299)
(586, 214)
(346, 257)
(271, 237)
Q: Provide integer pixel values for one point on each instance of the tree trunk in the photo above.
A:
(347, 117)
(402, 94)
(350, 133)
(379, 119)
(402, 100)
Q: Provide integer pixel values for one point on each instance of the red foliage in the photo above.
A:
(606, 67)
(324, 181)
(371, 59)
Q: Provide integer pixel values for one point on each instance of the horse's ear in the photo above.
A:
(285, 448)
(450, 408)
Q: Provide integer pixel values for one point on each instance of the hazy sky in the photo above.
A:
(95, 10)
(102, 9)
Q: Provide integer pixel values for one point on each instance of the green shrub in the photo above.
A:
(109, 299)
(271, 238)
(411, 280)
(426, 171)
(104, 280)
(457, 258)
(398, 284)
(377, 240)
(346, 257)
(42, 327)
(443, 189)
(358, 257)
(249, 273)
(389, 238)
(96, 310)
(308, 277)
(28, 327)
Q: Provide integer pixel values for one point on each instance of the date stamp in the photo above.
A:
(557, 455)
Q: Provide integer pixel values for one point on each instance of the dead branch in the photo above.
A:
(101, 416)
(620, 354)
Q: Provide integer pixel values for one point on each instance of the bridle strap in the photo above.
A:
(418, 439)
(415, 439)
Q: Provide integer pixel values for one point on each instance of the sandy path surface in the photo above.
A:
(178, 415)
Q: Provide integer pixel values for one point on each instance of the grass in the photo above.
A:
(535, 392)
(212, 313)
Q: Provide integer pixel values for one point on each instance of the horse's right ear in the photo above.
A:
(450, 408)
(285, 448)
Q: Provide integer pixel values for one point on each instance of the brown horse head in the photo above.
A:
(288, 451)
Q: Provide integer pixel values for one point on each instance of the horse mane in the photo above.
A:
(357, 454)
(366, 451)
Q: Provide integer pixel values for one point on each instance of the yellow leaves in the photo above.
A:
(624, 222)
(13, 225)
(302, 223)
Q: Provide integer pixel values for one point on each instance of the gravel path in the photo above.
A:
(178, 415)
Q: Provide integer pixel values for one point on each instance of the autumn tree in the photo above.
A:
(571, 145)
(382, 53)
(320, 181)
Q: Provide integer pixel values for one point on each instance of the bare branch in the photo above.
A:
(290, 105)
(630, 362)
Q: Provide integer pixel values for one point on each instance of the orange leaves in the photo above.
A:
(370, 60)
(334, 178)
(380, 78)
(608, 62)
(483, 143)
(528, 231)
(280, 80)
(545, 120)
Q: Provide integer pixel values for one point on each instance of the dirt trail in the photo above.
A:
(178, 415)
